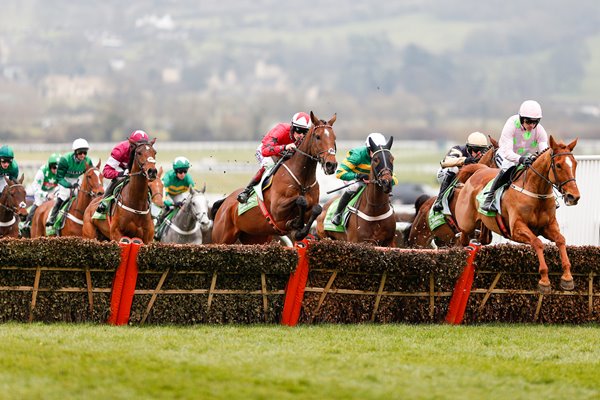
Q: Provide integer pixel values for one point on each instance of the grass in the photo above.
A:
(306, 362)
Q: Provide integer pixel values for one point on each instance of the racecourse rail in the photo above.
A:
(75, 280)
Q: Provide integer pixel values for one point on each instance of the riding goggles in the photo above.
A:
(302, 131)
(6, 160)
(533, 121)
(181, 171)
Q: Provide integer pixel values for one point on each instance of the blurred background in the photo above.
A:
(189, 72)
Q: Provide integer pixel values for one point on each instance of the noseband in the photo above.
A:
(559, 185)
(140, 165)
(9, 195)
(385, 169)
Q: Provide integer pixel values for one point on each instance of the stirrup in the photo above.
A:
(336, 219)
(243, 197)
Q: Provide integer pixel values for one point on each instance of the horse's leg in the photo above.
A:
(552, 232)
(315, 212)
(298, 222)
(522, 233)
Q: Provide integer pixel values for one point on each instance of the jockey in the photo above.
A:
(521, 136)
(281, 138)
(116, 166)
(70, 167)
(356, 166)
(45, 184)
(456, 157)
(177, 184)
(8, 166)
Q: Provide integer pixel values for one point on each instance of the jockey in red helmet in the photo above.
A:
(283, 137)
(116, 165)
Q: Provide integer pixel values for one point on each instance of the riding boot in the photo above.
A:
(54, 212)
(30, 216)
(245, 194)
(488, 203)
(344, 200)
(437, 206)
(109, 191)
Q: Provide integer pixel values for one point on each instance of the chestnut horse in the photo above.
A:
(131, 212)
(528, 206)
(91, 187)
(12, 202)
(445, 235)
(372, 218)
(292, 200)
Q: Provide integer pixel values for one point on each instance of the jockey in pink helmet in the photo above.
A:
(283, 137)
(116, 165)
(521, 136)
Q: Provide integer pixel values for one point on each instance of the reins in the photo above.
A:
(557, 185)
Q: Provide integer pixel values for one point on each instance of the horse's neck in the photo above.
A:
(303, 168)
(185, 218)
(136, 191)
(375, 201)
(534, 182)
(81, 202)
(5, 214)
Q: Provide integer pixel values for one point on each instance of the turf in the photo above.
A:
(306, 362)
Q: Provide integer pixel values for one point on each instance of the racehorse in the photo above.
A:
(372, 218)
(190, 222)
(291, 203)
(12, 202)
(528, 206)
(445, 235)
(131, 212)
(91, 187)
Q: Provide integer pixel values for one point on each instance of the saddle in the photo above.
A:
(59, 223)
(506, 179)
(159, 230)
(350, 209)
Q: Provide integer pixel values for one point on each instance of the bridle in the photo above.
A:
(11, 208)
(383, 170)
(319, 157)
(90, 192)
(557, 185)
(141, 165)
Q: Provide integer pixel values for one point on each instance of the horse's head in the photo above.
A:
(144, 161)
(319, 143)
(563, 170)
(14, 196)
(156, 187)
(92, 180)
(199, 207)
(382, 165)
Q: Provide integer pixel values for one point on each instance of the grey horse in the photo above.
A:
(190, 222)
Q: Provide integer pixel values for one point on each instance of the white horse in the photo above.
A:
(190, 222)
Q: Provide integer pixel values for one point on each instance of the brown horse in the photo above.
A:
(12, 202)
(528, 205)
(445, 235)
(131, 212)
(91, 187)
(292, 200)
(372, 217)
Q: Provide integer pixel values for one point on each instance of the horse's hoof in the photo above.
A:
(544, 289)
(567, 285)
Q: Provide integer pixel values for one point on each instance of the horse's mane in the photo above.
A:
(468, 170)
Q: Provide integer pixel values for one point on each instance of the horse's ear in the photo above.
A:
(572, 145)
(372, 145)
(204, 188)
(99, 162)
(314, 119)
(152, 141)
(23, 175)
(388, 145)
(493, 141)
(332, 120)
(552, 142)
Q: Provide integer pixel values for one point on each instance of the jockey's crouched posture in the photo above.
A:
(456, 157)
(115, 168)
(177, 186)
(70, 167)
(356, 166)
(279, 139)
(522, 135)
(44, 186)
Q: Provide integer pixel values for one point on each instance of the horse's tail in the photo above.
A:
(215, 208)
(468, 170)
